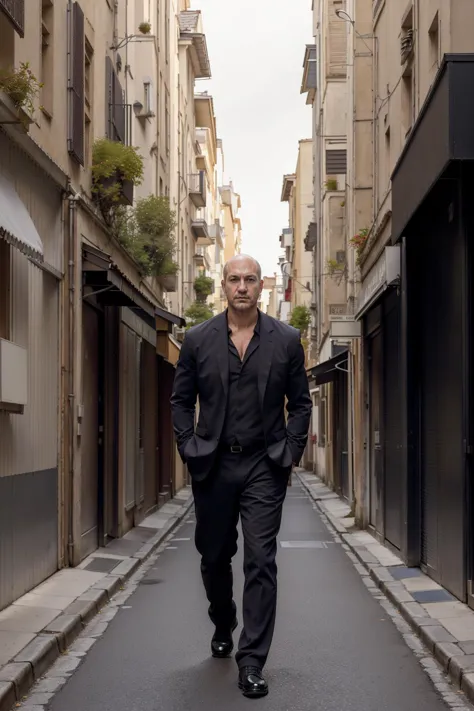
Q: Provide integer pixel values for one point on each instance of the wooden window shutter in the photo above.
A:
(119, 111)
(337, 40)
(76, 85)
(15, 11)
(109, 97)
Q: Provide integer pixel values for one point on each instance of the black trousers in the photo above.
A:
(248, 485)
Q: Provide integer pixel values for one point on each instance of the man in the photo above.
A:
(241, 365)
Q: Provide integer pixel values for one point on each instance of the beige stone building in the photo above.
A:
(400, 71)
(230, 206)
(88, 342)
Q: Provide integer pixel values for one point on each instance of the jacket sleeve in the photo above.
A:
(299, 404)
(184, 395)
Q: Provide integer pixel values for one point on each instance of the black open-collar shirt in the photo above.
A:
(243, 424)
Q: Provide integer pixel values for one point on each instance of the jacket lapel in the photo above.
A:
(265, 355)
(221, 349)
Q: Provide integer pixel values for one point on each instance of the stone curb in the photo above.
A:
(458, 665)
(18, 676)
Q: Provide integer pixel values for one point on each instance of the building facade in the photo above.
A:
(89, 331)
(405, 325)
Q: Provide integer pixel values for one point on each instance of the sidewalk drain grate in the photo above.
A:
(304, 544)
(102, 565)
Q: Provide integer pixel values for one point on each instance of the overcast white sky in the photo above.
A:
(256, 49)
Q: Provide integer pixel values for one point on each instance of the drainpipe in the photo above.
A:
(72, 244)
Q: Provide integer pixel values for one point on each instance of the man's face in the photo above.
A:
(242, 285)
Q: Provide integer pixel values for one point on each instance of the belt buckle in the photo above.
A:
(235, 449)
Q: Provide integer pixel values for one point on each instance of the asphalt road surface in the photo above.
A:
(335, 648)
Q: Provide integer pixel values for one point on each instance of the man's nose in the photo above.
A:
(242, 286)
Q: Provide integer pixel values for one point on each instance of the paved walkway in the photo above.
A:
(41, 624)
(339, 644)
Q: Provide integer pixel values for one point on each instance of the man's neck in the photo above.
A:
(239, 321)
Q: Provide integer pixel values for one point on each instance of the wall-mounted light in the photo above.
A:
(137, 108)
(343, 15)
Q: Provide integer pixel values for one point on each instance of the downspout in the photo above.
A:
(72, 245)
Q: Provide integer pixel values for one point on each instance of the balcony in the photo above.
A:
(200, 232)
(201, 260)
(216, 233)
(15, 12)
(12, 114)
(286, 238)
(197, 189)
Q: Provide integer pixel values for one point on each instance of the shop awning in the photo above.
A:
(326, 372)
(169, 317)
(16, 225)
(111, 287)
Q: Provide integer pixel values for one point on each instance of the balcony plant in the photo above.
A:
(22, 87)
(197, 313)
(145, 28)
(331, 184)
(359, 241)
(203, 286)
(116, 169)
(146, 232)
(300, 318)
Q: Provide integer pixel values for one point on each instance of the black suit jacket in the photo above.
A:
(202, 373)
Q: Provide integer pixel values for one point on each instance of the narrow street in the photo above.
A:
(335, 647)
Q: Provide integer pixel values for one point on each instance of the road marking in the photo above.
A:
(178, 540)
(171, 548)
(303, 544)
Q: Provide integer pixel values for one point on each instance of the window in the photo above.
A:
(148, 97)
(407, 103)
(117, 129)
(167, 124)
(76, 85)
(5, 289)
(47, 60)
(14, 10)
(434, 45)
(387, 154)
(88, 97)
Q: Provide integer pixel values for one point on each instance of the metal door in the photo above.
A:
(393, 491)
(442, 393)
(375, 434)
(90, 430)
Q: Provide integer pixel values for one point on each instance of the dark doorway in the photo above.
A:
(375, 430)
(393, 485)
(92, 427)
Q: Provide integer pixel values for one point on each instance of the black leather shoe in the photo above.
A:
(222, 643)
(252, 683)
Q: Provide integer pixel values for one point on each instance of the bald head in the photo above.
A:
(242, 284)
(240, 261)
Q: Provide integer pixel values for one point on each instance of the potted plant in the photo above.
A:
(359, 241)
(147, 234)
(23, 88)
(116, 169)
(300, 318)
(145, 28)
(197, 313)
(203, 286)
(334, 266)
(331, 184)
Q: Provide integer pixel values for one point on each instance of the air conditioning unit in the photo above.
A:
(13, 377)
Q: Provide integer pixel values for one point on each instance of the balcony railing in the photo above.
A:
(216, 232)
(197, 189)
(15, 11)
(200, 231)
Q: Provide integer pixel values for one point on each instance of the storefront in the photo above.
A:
(433, 221)
(378, 308)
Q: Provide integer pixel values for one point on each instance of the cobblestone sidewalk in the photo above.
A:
(37, 628)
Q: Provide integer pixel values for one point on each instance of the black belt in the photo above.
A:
(238, 449)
